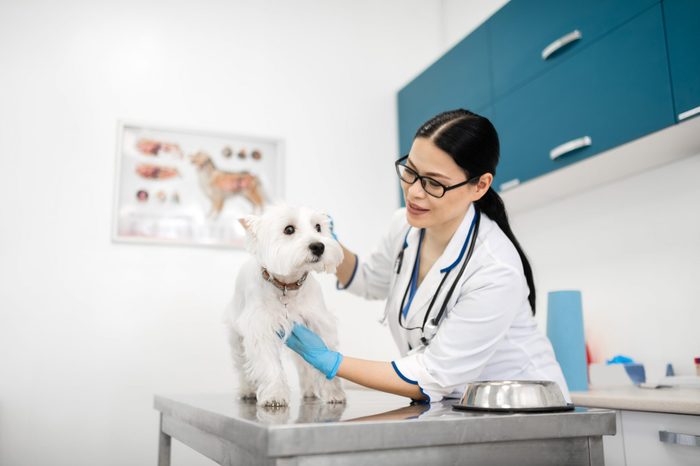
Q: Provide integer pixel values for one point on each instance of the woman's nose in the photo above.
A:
(416, 189)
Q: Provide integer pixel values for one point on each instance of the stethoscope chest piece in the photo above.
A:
(429, 331)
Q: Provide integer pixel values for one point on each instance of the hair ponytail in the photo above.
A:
(472, 141)
(492, 205)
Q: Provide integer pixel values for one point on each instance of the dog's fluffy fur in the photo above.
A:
(259, 310)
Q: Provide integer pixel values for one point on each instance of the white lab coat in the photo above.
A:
(488, 331)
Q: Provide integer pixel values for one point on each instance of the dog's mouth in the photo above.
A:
(315, 259)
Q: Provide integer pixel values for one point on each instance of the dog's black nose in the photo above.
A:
(317, 248)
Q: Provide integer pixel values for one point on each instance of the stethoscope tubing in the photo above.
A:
(474, 229)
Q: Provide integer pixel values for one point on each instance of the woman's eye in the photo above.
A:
(318, 228)
(433, 183)
(289, 230)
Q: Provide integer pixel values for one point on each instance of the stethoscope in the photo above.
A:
(430, 327)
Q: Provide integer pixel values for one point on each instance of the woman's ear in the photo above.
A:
(482, 186)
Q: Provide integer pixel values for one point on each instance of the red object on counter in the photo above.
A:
(589, 360)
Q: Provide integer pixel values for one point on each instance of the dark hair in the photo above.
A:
(472, 141)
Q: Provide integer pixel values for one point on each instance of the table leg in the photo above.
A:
(163, 446)
(595, 451)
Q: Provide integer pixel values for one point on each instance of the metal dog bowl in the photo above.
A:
(513, 396)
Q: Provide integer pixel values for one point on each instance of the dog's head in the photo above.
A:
(287, 240)
(200, 159)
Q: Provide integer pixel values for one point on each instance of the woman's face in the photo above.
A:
(426, 211)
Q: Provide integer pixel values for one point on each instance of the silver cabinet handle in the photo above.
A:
(688, 113)
(570, 146)
(679, 439)
(510, 184)
(561, 42)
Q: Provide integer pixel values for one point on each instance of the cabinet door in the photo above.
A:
(485, 111)
(523, 29)
(643, 445)
(612, 92)
(459, 79)
(683, 35)
(613, 445)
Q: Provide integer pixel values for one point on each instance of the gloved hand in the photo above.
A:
(331, 227)
(314, 351)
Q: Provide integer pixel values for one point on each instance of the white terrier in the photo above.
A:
(273, 290)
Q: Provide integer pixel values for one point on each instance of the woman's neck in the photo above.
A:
(438, 236)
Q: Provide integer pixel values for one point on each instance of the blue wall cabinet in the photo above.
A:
(616, 90)
(632, 68)
(530, 37)
(487, 112)
(459, 79)
(683, 35)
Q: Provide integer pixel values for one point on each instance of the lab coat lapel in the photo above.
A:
(430, 283)
(409, 258)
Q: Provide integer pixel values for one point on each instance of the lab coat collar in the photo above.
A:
(456, 248)
(450, 258)
(412, 237)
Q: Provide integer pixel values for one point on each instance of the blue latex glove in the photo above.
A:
(314, 351)
(331, 227)
(619, 359)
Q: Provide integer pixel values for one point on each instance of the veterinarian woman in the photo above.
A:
(459, 289)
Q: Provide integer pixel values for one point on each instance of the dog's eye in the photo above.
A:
(289, 230)
(318, 228)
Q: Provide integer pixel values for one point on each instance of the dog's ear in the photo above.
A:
(250, 223)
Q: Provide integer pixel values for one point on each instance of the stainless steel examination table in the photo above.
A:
(375, 428)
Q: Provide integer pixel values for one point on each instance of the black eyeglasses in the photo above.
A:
(430, 186)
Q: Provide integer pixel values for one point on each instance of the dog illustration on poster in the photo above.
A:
(218, 185)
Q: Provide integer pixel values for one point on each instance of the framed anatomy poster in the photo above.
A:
(191, 187)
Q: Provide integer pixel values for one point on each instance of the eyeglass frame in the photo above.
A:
(421, 178)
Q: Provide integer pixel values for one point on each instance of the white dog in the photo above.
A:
(273, 290)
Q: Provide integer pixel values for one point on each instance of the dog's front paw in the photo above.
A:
(246, 391)
(246, 395)
(276, 394)
(332, 392)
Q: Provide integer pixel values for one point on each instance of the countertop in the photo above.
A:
(369, 420)
(663, 400)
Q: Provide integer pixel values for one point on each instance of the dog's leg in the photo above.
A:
(246, 388)
(262, 349)
(308, 379)
(330, 391)
(315, 385)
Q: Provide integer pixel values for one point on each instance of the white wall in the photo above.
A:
(90, 330)
(633, 249)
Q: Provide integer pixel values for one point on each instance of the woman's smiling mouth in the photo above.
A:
(414, 209)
